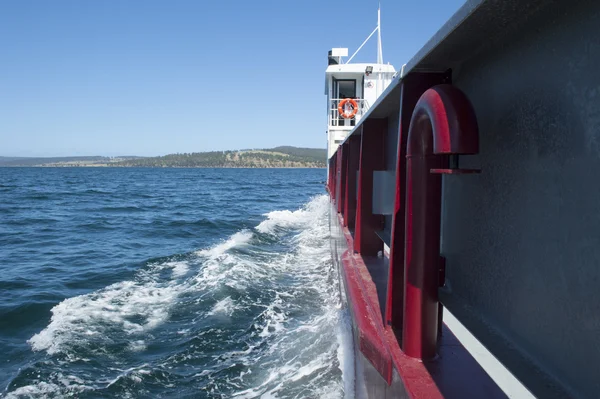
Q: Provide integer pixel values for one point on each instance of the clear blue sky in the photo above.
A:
(84, 77)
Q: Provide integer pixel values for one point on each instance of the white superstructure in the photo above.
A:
(363, 83)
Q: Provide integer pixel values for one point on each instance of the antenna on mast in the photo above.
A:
(379, 47)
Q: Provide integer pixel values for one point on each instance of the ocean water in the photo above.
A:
(176, 283)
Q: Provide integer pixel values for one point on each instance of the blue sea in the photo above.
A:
(172, 283)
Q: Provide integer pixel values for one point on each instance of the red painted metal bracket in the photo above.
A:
(411, 88)
(443, 125)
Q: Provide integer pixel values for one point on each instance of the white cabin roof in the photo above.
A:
(358, 68)
(341, 69)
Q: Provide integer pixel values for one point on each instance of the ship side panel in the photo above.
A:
(522, 239)
(365, 381)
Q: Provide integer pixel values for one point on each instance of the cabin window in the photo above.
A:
(346, 88)
(343, 88)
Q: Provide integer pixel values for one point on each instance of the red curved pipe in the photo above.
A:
(443, 123)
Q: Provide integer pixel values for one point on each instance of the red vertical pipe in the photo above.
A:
(337, 175)
(330, 182)
(372, 158)
(338, 169)
(333, 176)
(442, 123)
(412, 87)
(353, 161)
(329, 178)
(343, 170)
(337, 180)
(423, 208)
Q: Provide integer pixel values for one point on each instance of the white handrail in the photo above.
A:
(335, 119)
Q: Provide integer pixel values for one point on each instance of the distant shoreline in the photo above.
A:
(157, 167)
(278, 157)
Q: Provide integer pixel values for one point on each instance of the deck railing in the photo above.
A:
(334, 116)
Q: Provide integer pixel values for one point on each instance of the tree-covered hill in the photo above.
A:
(279, 157)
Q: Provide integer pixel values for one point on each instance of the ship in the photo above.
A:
(463, 215)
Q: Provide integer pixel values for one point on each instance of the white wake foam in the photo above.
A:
(65, 386)
(131, 307)
(225, 307)
(300, 218)
(180, 269)
(304, 353)
(298, 351)
(239, 239)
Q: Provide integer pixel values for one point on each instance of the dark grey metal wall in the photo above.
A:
(522, 239)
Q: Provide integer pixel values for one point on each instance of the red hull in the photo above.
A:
(382, 369)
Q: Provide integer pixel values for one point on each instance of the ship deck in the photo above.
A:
(463, 367)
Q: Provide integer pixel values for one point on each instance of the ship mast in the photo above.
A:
(379, 47)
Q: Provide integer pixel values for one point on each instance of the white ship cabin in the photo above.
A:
(351, 89)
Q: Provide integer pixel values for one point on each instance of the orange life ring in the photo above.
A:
(343, 113)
